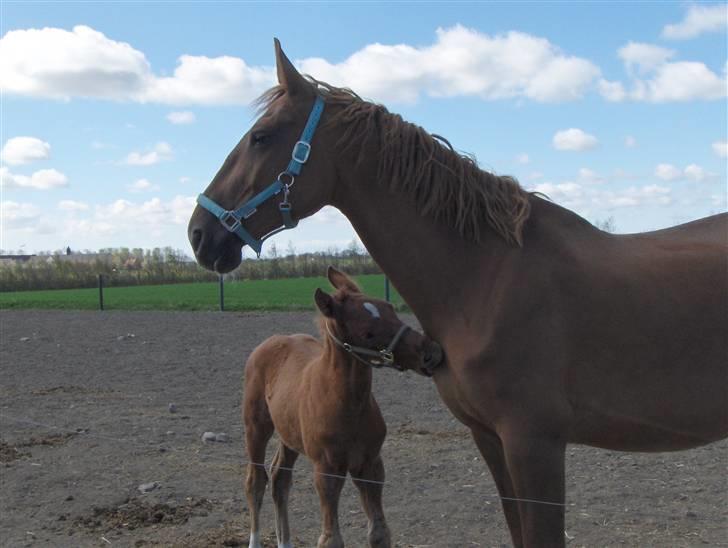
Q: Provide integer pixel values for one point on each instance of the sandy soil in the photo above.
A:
(84, 420)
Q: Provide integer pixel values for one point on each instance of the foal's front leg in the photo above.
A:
(281, 475)
(329, 481)
(369, 479)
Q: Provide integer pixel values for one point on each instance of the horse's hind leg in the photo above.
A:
(369, 479)
(258, 430)
(491, 448)
(281, 475)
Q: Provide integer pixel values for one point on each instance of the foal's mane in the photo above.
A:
(446, 185)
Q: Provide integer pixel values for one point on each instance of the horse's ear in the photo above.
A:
(341, 281)
(288, 77)
(325, 303)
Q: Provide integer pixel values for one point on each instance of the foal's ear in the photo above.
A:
(341, 281)
(288, 77)
(325, 303)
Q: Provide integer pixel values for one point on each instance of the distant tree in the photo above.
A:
(607, 225)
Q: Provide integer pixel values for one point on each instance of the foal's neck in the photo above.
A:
(341, 371)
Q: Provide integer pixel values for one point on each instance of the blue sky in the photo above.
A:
(115, 115)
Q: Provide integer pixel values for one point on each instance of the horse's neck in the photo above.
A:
(425, 260)
(436, 270)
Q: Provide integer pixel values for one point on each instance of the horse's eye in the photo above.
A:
(369, 335)
(259, 138)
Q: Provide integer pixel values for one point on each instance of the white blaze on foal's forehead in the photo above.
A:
(373, 310)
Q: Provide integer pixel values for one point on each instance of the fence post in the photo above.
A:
(386, 289)
(101, 291)
(222, 295)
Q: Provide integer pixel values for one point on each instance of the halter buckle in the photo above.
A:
(387, 356)
(301, 151)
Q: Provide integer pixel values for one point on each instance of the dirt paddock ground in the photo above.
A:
(85, 420)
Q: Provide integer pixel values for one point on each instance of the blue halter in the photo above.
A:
(232, 219)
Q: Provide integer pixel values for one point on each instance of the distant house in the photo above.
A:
(78, 258)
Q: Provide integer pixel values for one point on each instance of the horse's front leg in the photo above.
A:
(491, 448)
(329, 480)
(536, 465)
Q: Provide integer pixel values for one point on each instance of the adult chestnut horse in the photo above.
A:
(554, 331)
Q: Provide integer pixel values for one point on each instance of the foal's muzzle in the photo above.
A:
(433, 356)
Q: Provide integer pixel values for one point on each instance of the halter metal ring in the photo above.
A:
(282, 174)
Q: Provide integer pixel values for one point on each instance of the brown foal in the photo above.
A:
(317, 396)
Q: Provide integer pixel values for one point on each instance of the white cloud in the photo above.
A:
(72, 205)
(534, 175)
(161, 151)
(330, 215)
(83, 62)
(23, 150)
(580, 197)
(720, 148)
(56, 63)
(523, 159)
(574, 139)
(461, 62)
(567, 193)
(181, 117)
(667, 172)
(43, 179)
(142, 185)
(612, 91)
(696, 173)
(692, 172)
(204, 80)
(589, 176)
(123, 214)
(16, 215)
(184, 180)
(643, 58)
(655, 79)
(630, 141)
(681, 81)
(698, 20)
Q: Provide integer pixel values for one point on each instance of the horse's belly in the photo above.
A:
(649, 430)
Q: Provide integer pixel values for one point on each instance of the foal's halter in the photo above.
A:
(232, 219)
(375, 358)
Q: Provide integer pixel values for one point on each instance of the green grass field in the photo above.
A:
(285, 294)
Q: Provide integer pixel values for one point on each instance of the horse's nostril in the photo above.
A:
(196, 238)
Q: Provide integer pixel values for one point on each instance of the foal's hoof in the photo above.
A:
(254, 541)
(380, 538)
(328, 541)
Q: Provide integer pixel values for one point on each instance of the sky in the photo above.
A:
(115, 115)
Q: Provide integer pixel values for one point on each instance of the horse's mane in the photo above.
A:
(446, 185)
